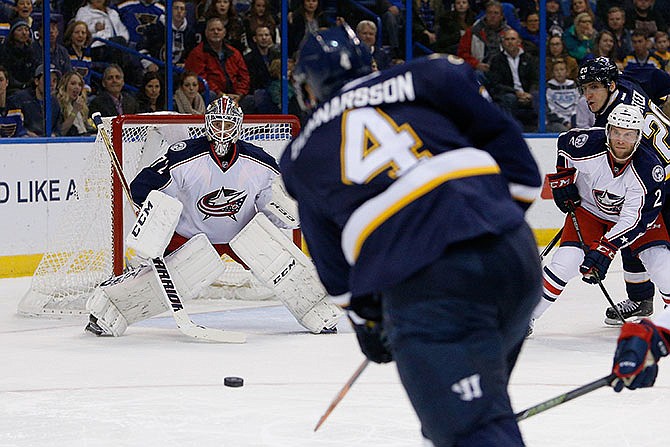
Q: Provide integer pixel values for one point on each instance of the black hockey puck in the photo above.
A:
(235, 382)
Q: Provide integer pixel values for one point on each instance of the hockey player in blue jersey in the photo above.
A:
(412, 188)
(604, 88)
(230, 191)
(615, 185)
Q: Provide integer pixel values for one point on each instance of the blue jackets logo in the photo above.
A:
(607, 202)
(222, 203)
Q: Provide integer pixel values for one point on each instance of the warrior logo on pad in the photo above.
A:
(222, 203)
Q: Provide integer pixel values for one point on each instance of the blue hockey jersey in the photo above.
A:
(398, 166)
(629, 195)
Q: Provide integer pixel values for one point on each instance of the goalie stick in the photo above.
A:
(169, 292)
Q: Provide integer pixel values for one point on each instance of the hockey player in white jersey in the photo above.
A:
(614, 184)
(230, 191)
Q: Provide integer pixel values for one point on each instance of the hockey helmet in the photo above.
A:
(223, 123)
(600, 69)
(326, 61)
(629, 117)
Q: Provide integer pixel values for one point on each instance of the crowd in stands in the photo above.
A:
(233, 45)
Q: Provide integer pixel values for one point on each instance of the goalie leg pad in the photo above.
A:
(136, 295)
(284, 268)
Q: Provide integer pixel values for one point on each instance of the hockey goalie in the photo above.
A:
(203, 198)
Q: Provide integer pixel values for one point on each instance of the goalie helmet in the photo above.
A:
(600, 69)
(326, 61)
(625, 116)
(223, 124)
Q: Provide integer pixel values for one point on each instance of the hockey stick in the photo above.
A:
(343, 392)
(551, 244)
(563, 398)
(169, 292)
(595, 273)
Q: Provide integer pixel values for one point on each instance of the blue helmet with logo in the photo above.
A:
(326, 61)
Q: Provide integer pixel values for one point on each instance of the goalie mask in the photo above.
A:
(223, 124)
(624, 131)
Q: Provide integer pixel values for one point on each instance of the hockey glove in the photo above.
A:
(638, 350)
(564, 190)
(596, 261)
(371, 338)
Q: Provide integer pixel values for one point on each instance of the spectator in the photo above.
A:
(259, 59)
(138, 16)
(616, 23)
(530, 34)
(562, 96)
(661, 44)
(260, 14)
(483, 40)
(555, 51)
(454, 24)
(308, 17)
(367, 32)
(641, 55)
(426, 18)
(183, 37)
(513, 81)
(31, 103)
(578, 7)
(392, 22)
(59, 55)
(224, 10)
(151, 97)
(19, 57)
(579, 38)
(555, 18)
(644, 17)
(187, 99)
(77, 41)
(104, 23)
(604, 46)
(11, 120)
(112, 101)
(275, 88)
(219, 63)
(23, 10)
(73, 102)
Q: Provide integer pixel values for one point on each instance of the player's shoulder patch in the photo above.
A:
(658, 173)
(579, 140)
(180, 146)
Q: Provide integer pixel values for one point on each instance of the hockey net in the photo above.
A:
(88, 245)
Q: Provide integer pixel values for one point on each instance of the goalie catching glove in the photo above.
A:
(639, 348)
(597, 260)
(564, 190)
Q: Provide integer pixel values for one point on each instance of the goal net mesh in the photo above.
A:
(87, 246)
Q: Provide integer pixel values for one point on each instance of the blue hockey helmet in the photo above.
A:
(600, 69)
(326, 61)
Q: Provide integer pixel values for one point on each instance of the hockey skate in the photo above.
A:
(531, 328)
(629, 309)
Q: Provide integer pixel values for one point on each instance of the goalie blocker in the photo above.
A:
(285, 269)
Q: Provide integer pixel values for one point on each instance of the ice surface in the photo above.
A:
(156, 387)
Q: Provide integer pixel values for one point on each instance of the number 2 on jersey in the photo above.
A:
(372, 143)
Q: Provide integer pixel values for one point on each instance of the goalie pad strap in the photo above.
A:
(284, 268)
(155, 225)
(137, 295)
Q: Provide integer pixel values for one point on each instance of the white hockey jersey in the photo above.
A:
(219, 196)
(629, 195)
